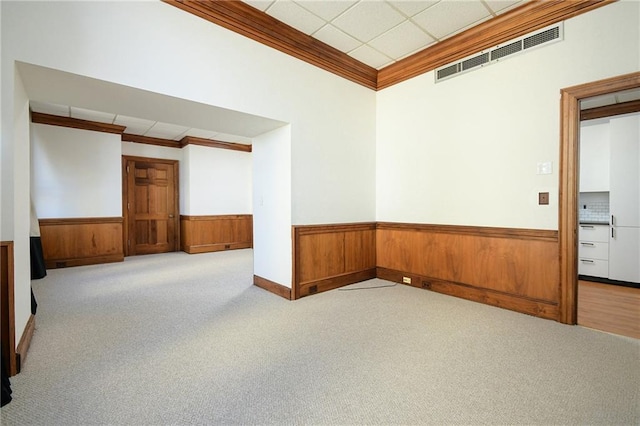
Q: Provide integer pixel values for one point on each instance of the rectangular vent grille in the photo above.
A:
(475, 61)
(448, 71)
(543, 37)
(507, 50)
(491, 56)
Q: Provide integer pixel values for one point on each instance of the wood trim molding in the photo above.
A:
(531, 306)
(525, 234)
(568, 198)
(610, 110)
(250, 22)
(95, 126)
(522, 20)
(191, 140)
(75, 123)
(25, 342)
(127, 137)
(78, 220)
(7, 308)
(261, 27)
(273, 287)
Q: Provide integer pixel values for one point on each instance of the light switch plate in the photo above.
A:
(545, 168)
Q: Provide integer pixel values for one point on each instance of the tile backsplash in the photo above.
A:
(594, 207)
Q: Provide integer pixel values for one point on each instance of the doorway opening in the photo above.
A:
(569, 191)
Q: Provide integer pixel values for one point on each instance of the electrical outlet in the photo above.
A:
(406, 280)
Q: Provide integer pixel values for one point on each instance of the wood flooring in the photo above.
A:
(609, 308)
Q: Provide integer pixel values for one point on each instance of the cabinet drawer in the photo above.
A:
(597, 233)
(593, 267)
(593, 250)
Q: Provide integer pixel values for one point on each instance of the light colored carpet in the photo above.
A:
(186, 339)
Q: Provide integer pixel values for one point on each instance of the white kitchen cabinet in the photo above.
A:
(624, 171)
(624, 254)
(624, 198)
(593, 250)
(594, 156)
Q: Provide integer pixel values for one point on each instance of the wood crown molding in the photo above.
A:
(610, 110)
(95, 126)
(244, 19)
(75, 123)
(192, 140)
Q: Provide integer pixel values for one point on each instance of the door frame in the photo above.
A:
(125, 197)
(568, 192)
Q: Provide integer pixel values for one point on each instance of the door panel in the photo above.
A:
(152, 206)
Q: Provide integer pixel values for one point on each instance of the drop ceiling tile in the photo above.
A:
(260, 4)
(134, 126)
(326, 10)
(501, 6)
(166, 131)
(449, 17)
(199, 133)
(368, 19)
(597, 101)
(223, 137)
(336, 38)
(412, 7)
(86, 114)
(628, 96)
(370, 56)
(401, 40)
(54, 109)
(297, 17)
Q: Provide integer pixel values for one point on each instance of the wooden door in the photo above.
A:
(150, 204)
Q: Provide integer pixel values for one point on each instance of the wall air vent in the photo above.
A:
(490, 56)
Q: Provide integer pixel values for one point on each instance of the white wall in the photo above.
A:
(190, 58)
(272, 206)
(464, 151)
(219, 181)
(76, 173)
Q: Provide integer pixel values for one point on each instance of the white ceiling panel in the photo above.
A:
(368, 19)
(222, 137)
(326, 10)
(412, 7)
(449, 17)
(166, 131)
(501, 6)
(296, 16)
(54, 109)
(260, 4)
(348, 24)
(401, 40)
(628, 95)
(336, 38)
(199, 133)
(134, 126)
(85, 114)
(369, 55)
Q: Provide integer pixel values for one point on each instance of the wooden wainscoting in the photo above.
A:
(201, 234)
(81, 241)
(516, 269)
(7, 308)
(331, 256)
